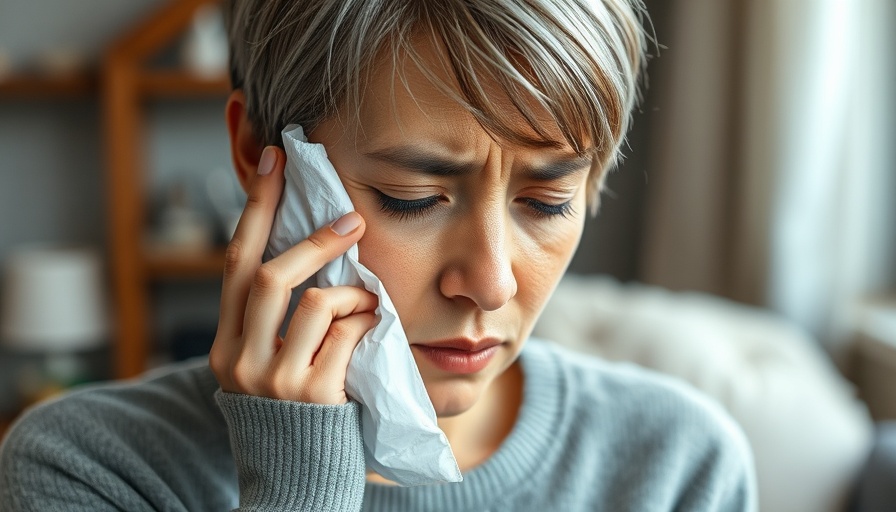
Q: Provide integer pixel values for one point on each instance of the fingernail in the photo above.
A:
(267, 161)
(346, 224)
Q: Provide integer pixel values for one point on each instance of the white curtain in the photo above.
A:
(775, 173)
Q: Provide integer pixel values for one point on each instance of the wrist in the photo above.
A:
(293, 455)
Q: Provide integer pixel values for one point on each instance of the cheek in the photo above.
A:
(401, 260)
(399, 254)
(544, 258)
(380, 251)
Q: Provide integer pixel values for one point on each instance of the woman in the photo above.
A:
(471, 138)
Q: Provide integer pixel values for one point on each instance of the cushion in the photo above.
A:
(808, 432)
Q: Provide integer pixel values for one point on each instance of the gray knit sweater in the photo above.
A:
(590, 436)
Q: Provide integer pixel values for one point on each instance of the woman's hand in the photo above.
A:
(248, 355)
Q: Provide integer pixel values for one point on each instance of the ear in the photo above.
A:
(245, 149)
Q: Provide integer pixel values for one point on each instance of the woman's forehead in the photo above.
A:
(406, 97)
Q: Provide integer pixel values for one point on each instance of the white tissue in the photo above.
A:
(402, 441)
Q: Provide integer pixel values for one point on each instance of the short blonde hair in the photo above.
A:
(302, 61)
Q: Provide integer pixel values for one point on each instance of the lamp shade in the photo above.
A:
(53, 300)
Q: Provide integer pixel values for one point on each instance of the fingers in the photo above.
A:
(319, 377)
(331, 363)
(245, 250)
(302, 260)
(318, 311)
(248, 355)
(274, 281)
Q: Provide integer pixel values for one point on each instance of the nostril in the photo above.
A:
(496, 289)
(483, 287)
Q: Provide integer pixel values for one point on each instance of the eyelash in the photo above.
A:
(416, 208)
(403, 209)
(545, 210)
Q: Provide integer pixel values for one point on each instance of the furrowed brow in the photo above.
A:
(559, 169)
(419, 160)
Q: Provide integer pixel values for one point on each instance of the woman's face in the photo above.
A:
(469, 234)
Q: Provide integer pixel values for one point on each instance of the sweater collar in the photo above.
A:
(527, 450)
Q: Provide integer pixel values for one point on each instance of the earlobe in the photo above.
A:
(245, 150)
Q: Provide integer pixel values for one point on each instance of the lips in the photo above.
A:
(459, 355)
(464, 344)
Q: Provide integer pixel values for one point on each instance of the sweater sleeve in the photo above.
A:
(295, 456)
(722, 480)
(715, 468)
(115, 450)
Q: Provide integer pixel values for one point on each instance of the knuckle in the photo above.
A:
(341, 333)
(217, 360)
(254, 201)
(316, 240)
(240, 382)
(313, 300)
(232, 257)
(281, 385)
(242, 375)
(266, 279)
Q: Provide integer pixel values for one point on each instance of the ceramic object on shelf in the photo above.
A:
(53, 300)
(205, 51)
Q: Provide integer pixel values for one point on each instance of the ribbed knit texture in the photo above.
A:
(306, 443)
(590, 436)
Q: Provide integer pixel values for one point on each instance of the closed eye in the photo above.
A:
(406, 208)
(547, 210)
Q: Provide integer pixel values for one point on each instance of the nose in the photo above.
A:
(480, 268)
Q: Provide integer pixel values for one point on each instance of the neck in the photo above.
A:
(477, 433)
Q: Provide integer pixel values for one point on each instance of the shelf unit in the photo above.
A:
(35, 86)
(127, 84)
(82, 85)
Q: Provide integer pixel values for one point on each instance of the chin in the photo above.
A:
(454, 398)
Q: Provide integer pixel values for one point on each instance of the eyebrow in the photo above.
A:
(419, 160)
(559, 168)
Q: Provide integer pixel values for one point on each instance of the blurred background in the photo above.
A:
(761, 170)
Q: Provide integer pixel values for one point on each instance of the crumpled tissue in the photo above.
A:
(402, 441)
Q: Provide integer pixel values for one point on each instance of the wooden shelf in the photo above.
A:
(152, 84)
(162, 264)
(46, 86)
(177, 83)
(129, 84)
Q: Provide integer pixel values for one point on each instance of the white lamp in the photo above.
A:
(53, 300)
